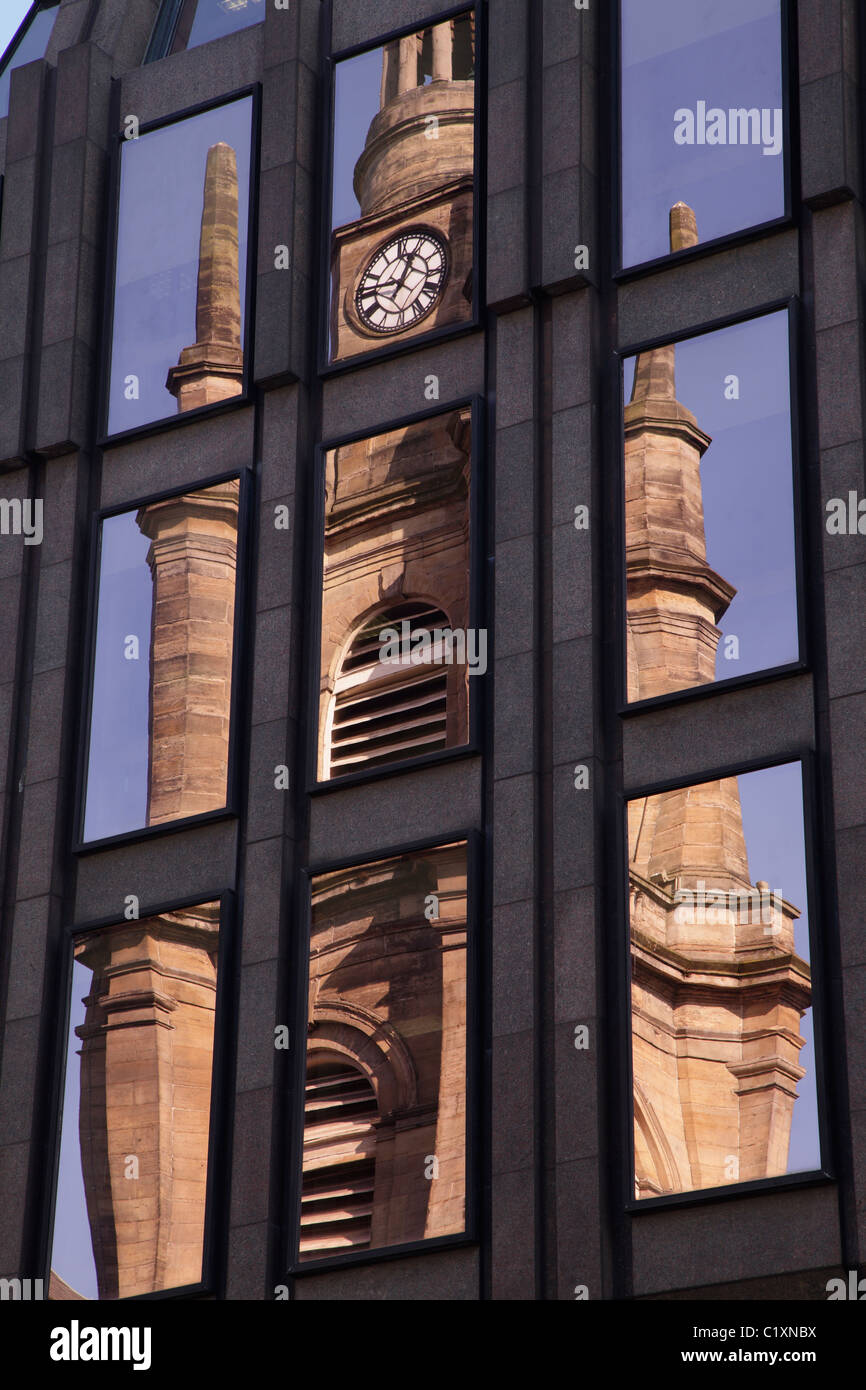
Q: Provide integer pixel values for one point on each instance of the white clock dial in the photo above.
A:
(402, 282)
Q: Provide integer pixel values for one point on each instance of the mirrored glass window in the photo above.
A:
(402, 189)
(30, 46)
(161, 693)
(722, 1039)
(202, 20)
(709, 509)
(397, 648)
(384, 1159)
(701, 118)
(180, 276)
(129, 1214)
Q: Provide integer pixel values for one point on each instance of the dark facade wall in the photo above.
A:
(551, 1118)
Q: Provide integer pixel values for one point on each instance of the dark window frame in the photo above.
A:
(216, 1223)
(239, 681)
(105, 439)
(790, 154)
(388, 350)
(820, 935)
(477, 606)
(292, 1125)
(627, 709)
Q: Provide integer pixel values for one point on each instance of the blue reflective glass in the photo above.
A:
(212, 19)
(710, 547)
(31, 47)
(702, 118)
(723, 1042)
(157, 297)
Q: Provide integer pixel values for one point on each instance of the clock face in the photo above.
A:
(402, 282)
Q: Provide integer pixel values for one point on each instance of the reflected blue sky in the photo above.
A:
(159, 226)
(214, 18)
(31, 47)
(747, 482)
(116, 796)
(356, 101)
(676, 53)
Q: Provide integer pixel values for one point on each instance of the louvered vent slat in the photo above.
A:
(339, 1160)
(384, 714)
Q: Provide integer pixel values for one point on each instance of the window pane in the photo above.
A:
(701, 118)
(129, 1212)
(180, 277)
(710, 549)
(397, 650)
(402, 209)
(203, 20)
(32, 46)
(385, 1117)
(161, 703)
(722, 1038)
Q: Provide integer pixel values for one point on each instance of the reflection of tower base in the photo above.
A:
(716, 1042)
(205, 374)
(146, 1065)
(718, 992)
(193, 557)
(388, 999)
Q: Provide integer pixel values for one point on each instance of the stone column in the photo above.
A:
(408, 76)
(390, 73)
(144, 1119)
(443, 48)
(192, 556)
(212, 368)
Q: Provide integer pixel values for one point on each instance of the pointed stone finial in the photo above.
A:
(683, 227)
(655, 376)
(212, 368)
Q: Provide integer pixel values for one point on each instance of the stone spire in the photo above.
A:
(212, 368)
(674, 597)
(717, 989)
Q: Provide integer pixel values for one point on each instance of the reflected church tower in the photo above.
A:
(147, 1038)
(404, 266)
(717, 990)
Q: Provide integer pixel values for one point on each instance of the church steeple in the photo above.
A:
(675, 598)
(716, 992)
(212, 369)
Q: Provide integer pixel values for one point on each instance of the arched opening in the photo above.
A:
(384, 712)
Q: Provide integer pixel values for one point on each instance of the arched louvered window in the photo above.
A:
(386, 713)
(339, 1158)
